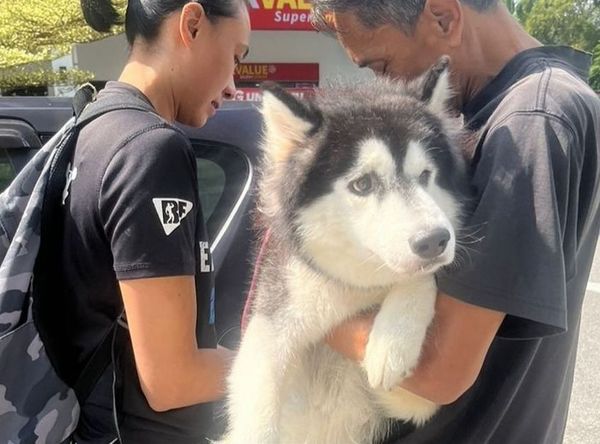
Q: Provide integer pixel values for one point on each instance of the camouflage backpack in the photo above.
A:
(36, 407)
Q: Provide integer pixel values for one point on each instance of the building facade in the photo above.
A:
(284, 48)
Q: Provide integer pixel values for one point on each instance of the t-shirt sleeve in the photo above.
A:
(515, 261)
(148, 206)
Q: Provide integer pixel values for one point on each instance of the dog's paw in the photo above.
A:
(389, 360)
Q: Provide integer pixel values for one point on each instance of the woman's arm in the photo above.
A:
(173, 371)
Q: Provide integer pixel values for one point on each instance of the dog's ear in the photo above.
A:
(288, 121)
(435, 85)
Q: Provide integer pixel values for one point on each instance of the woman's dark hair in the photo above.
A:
(144, 17)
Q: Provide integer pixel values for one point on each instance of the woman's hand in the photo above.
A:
(173, 371)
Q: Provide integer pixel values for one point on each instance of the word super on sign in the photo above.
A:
(280, 15)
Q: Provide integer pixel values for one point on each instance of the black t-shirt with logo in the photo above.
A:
(532, 237)
(133, 213)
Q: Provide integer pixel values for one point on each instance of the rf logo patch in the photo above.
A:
(171, 212)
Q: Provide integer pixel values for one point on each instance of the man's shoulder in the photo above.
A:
(552, 93)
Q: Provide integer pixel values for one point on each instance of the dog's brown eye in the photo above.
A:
(424, 177)
(363, 186)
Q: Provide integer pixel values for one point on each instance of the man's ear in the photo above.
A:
(435, 85)
(445, 18)
(288, 121)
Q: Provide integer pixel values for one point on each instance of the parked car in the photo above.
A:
(226, 153)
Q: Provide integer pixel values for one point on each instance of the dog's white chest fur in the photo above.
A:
(303, 392)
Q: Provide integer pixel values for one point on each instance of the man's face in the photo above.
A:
(387, 50)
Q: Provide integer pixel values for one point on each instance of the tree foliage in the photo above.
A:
(595, 71)
(511, 5)
(523, 8)
(36, 30)
(33, 31)
(572, 22)
(564, 22)
(12, 79)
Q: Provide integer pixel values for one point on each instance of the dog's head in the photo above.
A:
(365, 181)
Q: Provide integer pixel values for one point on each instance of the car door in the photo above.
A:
(227, 154)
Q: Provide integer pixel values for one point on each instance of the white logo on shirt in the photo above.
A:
(206, 265)
(171, 212)
(71, 176)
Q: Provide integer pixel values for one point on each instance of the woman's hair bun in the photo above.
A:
(101, 15)
(144, 17)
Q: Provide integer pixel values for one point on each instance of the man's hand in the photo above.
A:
(350, 338)
(452, 356)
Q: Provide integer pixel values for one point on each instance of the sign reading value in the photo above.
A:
(278, 72)
(289, 15)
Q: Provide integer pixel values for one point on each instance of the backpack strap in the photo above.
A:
(86, 108)
(84, 95)
(114, 102)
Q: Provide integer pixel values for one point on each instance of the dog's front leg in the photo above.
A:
(398, 333)
(255, 385)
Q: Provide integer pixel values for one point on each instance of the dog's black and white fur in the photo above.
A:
(361, 191)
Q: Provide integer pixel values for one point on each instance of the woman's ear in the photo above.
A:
(192, 18)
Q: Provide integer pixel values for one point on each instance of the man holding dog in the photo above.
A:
(501, 351)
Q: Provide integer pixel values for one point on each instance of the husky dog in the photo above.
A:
(361, 191)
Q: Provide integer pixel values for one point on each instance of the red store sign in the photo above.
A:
(256, 94)
(277, 72)
(285, 15)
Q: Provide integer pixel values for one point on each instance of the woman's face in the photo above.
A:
(210, 53)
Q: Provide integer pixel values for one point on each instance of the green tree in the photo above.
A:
(19, 80)
(511, 5)
(33, 31)
(564, 22)
(36, 30)
(523, 8)
(595, 71)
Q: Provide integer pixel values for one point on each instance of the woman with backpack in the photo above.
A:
(134, 227)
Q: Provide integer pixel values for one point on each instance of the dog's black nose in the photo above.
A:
(430, 244)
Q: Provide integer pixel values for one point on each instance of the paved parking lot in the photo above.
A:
(583, 426)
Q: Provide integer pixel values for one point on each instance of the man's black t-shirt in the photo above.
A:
(133, 211)
(536, 175)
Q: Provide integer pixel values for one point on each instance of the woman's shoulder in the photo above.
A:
(117, 129)
(137, 113)
(132, 139)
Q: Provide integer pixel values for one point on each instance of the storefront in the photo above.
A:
(284, 48)
(283, 15)
(298, 78)
(307, 58)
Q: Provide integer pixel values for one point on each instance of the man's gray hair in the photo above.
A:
(374, 13)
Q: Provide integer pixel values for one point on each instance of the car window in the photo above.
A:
(18, 143)
(223, 179)
(7, 171)
(211, 183)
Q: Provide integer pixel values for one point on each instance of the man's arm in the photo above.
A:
(453, 353)
(173, 372)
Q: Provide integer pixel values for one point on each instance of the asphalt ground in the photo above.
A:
(583, 425)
